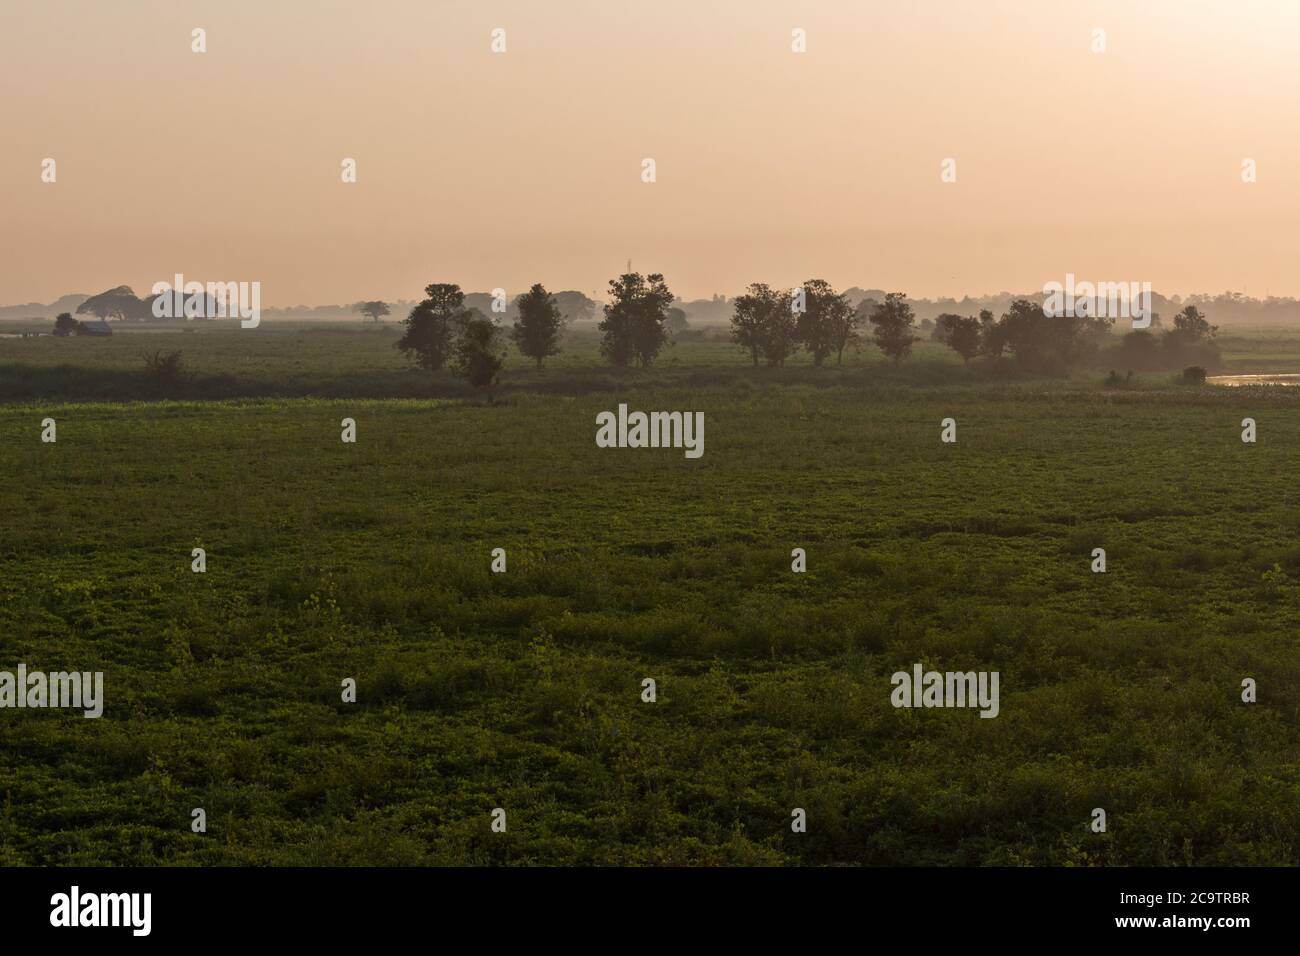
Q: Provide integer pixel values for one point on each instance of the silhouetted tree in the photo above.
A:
(893, 320)
(993, 340)
(433, 325)
(1190, 341)
(1028, 332)
(65, 324)
(828, 322)
(842, 320)
(479, 353)
(943, 325)
(537, 330)
(1191, 326)
(764, 323)
(964, 337)
(749, 317)
(119, 303)
(376, 309)
(1049, 343)
(635, 324)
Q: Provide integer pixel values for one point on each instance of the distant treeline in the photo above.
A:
(121, 304)
(772, 325)
(444, 330)
(464, 332)
(1228, 308)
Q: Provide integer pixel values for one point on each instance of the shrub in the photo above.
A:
(164, 369)
(1194, 375)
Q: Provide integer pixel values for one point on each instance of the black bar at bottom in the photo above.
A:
(334, 906)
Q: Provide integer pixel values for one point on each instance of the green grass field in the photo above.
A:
(522, 690)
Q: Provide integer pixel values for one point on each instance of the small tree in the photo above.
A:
(433, 325)
(65, 324)
(376, 310)
(1191, 340)
(964, 337)
(893, 327)
(537, 330)
(750, 318)
(842, 320)
(479, 354)
(1191, 326)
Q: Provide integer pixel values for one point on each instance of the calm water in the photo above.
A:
(1275, 378)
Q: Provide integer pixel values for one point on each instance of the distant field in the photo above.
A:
(521, 690)
(353, 360)
(1260, 350)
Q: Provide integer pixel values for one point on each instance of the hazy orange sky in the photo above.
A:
(504, 169)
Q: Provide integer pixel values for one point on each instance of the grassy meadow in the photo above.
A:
(522, 690)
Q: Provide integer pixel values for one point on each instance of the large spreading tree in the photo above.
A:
(376, 309)
(118, 303)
